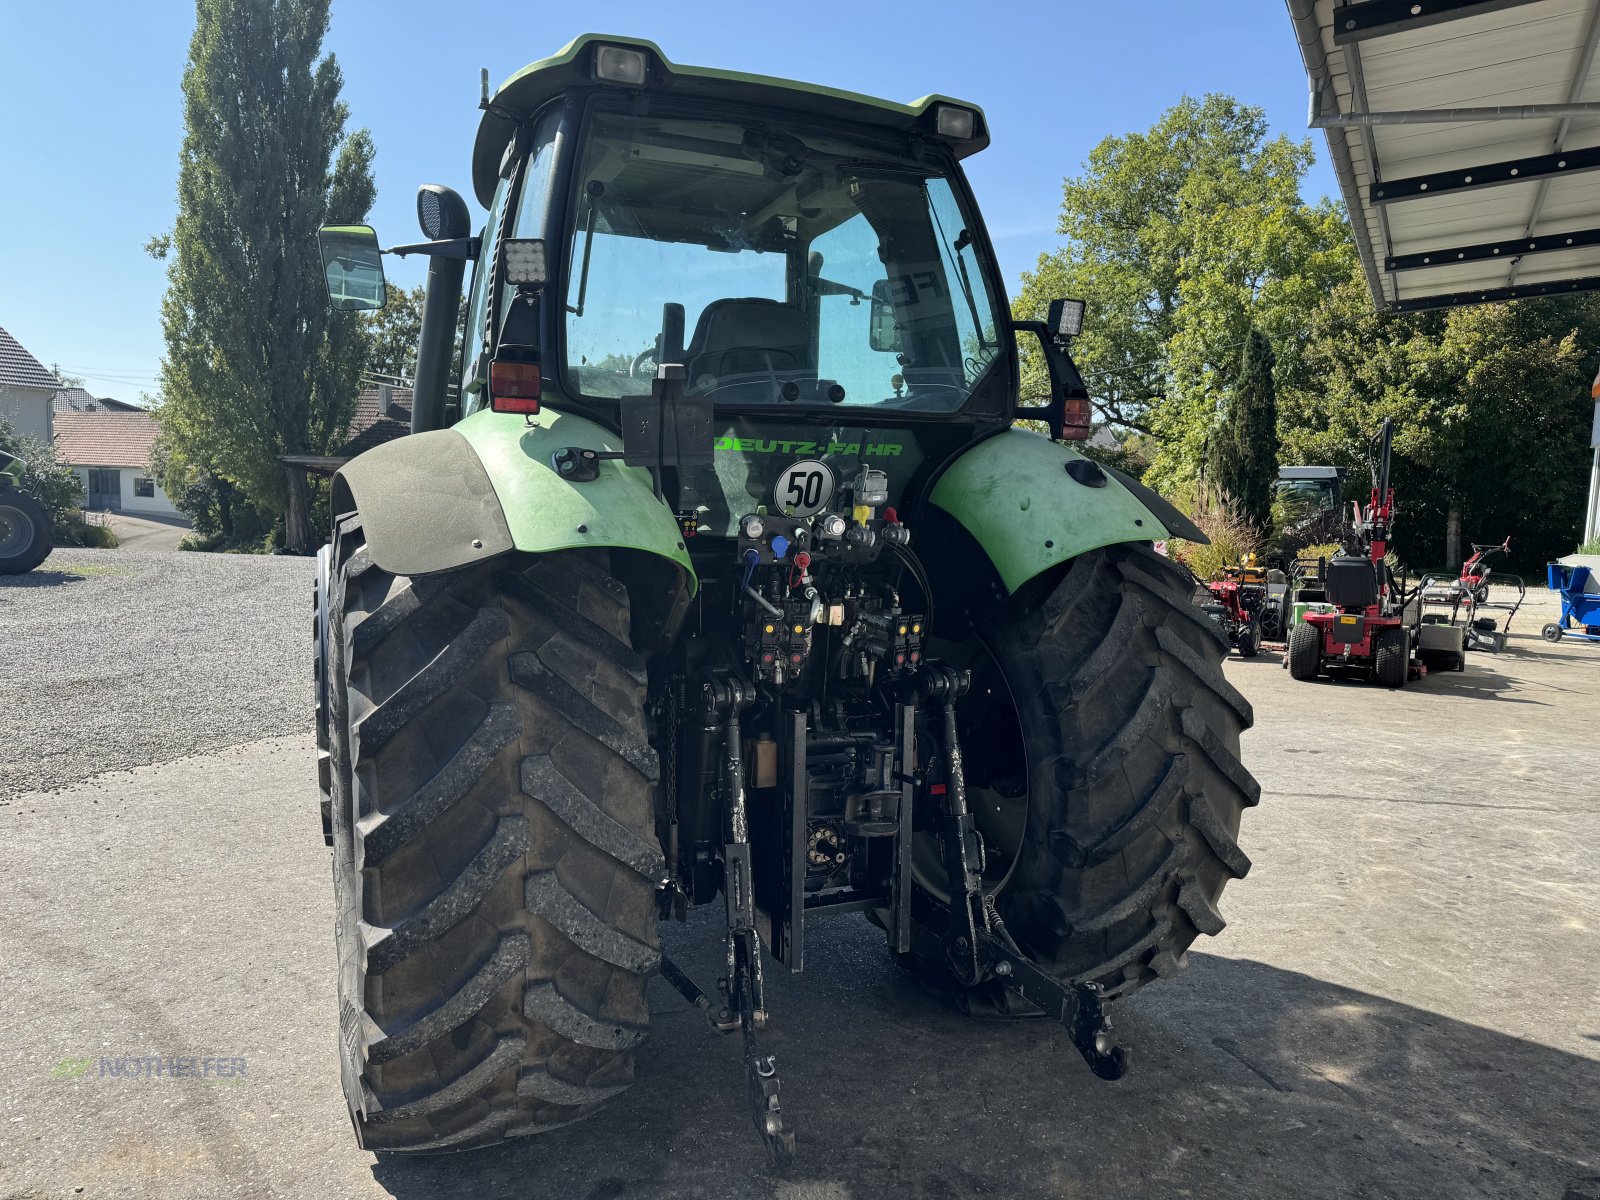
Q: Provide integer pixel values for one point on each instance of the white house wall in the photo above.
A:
(28, 409)
(157, 505)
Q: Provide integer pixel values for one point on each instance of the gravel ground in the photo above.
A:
(118, 658)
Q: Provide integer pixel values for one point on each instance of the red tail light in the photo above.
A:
(514, 387)
(1075, 416)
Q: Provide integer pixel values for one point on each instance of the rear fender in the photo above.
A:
(444, 499)
(1030, 507)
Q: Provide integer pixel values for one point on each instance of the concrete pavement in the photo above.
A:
(1404, 1003)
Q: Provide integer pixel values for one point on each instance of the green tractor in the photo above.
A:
(25, 533)
(721, 574)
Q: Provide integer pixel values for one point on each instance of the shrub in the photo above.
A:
(1232, 537)
(200, 541)
(97, 537)
(1320, 550)
(55, 485)
(1592, 546)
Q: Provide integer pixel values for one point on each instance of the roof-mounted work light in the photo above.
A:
(958, 124)
(620, 64)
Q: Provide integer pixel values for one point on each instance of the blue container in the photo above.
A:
(1580, 608)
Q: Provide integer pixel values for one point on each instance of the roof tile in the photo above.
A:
(105, 439)
(18, 368)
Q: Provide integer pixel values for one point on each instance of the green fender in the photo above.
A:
(440, 500)
(1013, 492)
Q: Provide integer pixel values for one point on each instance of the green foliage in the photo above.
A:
(1181, 239)
(94, 537)
(200, 541)
(1232, 537)
(1299, 522)
(257, 366)
(215, 506)
(1244, 444)
(1321, 550)
(394, 330)
(1485, 402)
(53, 484)
(1592, 546)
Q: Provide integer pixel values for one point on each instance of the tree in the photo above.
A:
(1181, 239)
(1244, 445)
(394, 330)
(257, 365)
(1490, 405)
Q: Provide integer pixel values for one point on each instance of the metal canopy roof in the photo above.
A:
(1466, 138)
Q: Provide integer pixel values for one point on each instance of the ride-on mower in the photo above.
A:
(1238, 598)
(26, 538)
(727, 577)
(1370, 628)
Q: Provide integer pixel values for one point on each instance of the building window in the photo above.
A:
(144, 487)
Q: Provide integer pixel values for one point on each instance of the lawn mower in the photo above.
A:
(1370, 628)
(1237, 600)
(726, 577)
(1475, 571)
(26, 537)
(1580, 602)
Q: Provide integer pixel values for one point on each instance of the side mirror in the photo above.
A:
(883, 333)
(352, 267)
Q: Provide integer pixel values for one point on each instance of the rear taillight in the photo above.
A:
(514, 387)
(1075, 418)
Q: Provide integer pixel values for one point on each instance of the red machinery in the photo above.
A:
(1370, 628)
(1236, 602)
(1475, 571)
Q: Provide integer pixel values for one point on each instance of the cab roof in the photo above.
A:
(573, 67)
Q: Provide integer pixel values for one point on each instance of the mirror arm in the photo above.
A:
(1065, 381)
(466, 248)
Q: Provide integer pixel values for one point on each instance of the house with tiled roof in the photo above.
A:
(110, 451)
(76, 399)
(26, 390)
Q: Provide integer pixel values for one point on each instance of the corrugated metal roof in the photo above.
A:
(1490, 221)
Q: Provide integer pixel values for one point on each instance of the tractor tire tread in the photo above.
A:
(1137, 794)
(495, 852)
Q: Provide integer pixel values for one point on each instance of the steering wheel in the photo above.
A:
(644, 356)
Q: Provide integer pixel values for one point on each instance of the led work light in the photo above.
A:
(523, 261)
(1066, 318)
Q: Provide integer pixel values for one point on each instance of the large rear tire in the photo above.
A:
(1133, 789)
(1391, 657)
(1305, 652)
(495, 855)
(26, 538)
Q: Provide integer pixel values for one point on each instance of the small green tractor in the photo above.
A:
(717, 571)
(26, 538)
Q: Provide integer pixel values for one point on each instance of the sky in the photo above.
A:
(91, 119)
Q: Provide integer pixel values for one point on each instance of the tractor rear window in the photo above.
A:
(778, 270)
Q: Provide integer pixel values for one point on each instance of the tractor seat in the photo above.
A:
(1352, 583)
(744, 336)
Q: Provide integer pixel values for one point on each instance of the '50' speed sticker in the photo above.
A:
(804, 488)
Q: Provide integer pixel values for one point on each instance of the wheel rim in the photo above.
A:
(994, 756)
(16, 531)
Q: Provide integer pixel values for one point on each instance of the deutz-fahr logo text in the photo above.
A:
(778, 446)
